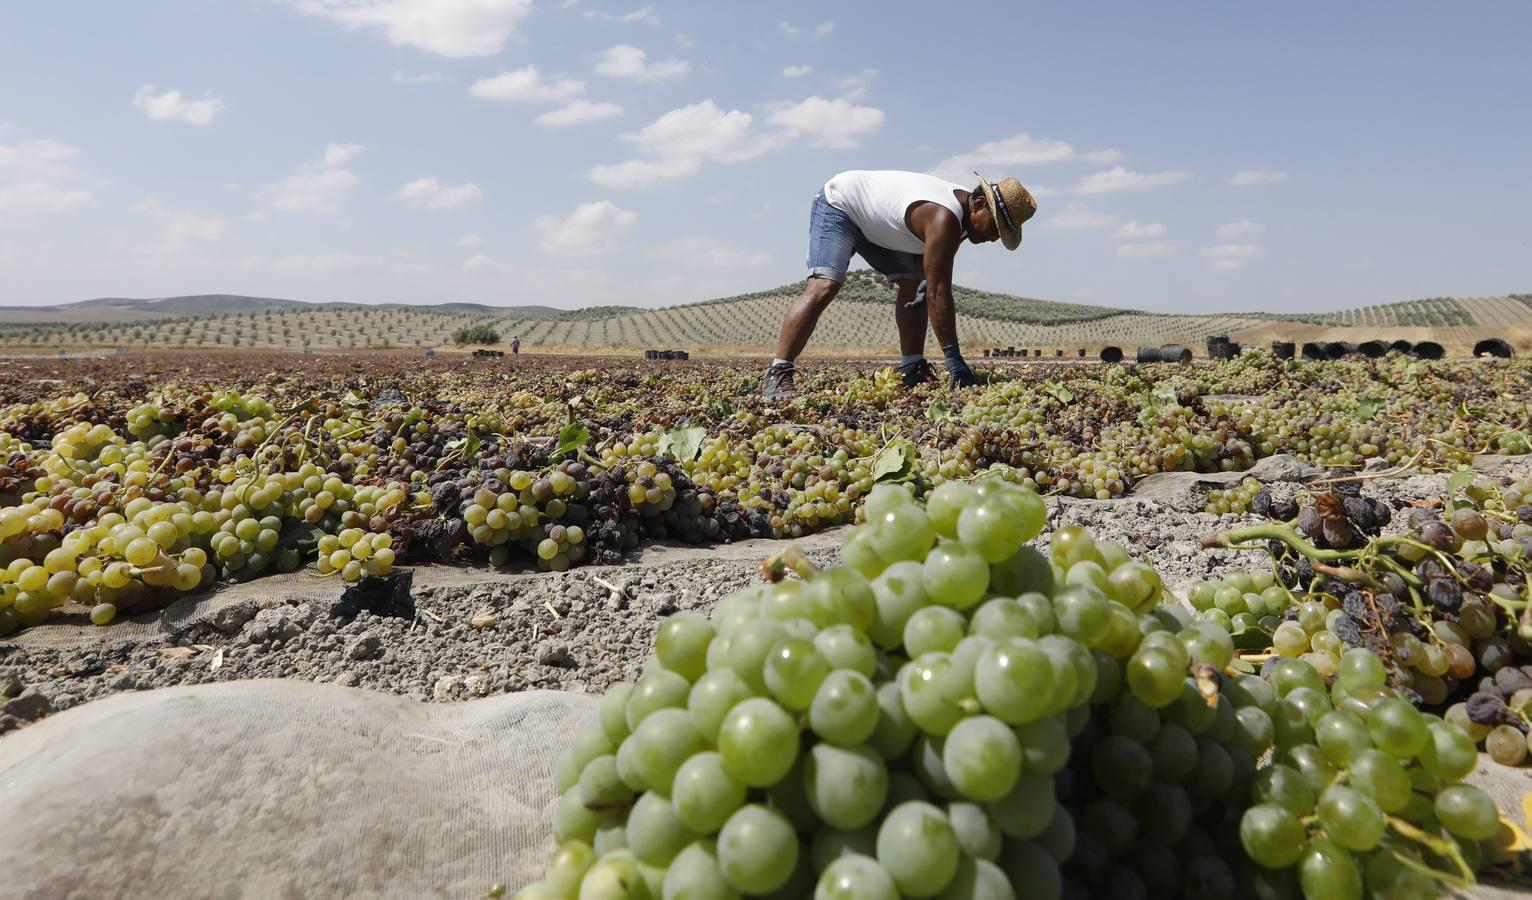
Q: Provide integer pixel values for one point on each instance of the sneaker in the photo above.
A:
(916, 373)
(778, 381)
(963, 378)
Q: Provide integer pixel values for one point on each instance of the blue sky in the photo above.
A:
(1196, 156)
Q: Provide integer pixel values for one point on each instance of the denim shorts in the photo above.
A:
(833, 237)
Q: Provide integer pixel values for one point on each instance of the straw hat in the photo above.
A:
(1012, 205)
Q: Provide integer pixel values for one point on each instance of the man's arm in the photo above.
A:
(943, 237)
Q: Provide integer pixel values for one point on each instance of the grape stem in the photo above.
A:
(1443, 847)
(776, 567)
(1241, 538)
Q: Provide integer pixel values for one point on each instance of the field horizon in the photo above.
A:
(744, 324)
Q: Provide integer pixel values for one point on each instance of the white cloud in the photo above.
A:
(578, 113)
(1134, 231)
(527, 85)
(428, 193)
(643, 14)
(1015, 151)
(1156, 248)
(470, 240)
(685, 40)
(703, 131)
(788, 28)
(483, 264)
(828, 123)
(823, 29)
(422, 78)
(1231, 251)
(1078, 217)
(185, 227)
(170, 106)
(1103, 156)
(711, 253)
(1119, 179)
(587, 230)
(1230, 257)
(855, 87)
(42, 157)
(316, 186)
(39, 196)
(1249, 177)
(1242, 228)
(333, 262)
(641, 173)
(796, 71)
(451, 28)
(627, 61)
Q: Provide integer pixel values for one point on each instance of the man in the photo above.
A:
(516, 345)
(908, 227)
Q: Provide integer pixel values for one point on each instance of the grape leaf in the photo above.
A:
(683, 444)
(352, 398)
(572, 437)
(938, 412)
(1367, 408)
(300, 536)
(1058, 392)
(895, 462)
(1252, 639)
(1458, 480)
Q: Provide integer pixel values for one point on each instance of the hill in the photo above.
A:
(859, 321)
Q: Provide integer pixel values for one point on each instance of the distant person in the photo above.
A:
(516, 345)
(908, 227)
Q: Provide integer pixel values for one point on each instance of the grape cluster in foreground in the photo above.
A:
(952, 714)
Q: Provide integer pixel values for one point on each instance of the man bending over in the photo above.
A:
(908, 227)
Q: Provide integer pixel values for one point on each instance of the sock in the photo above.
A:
(908, 360)
(954, 358)
(781, 362)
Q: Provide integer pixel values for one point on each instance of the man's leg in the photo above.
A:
(803, 315)
(911, 318)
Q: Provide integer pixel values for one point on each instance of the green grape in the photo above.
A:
(1031, 867)
(657, 689)
(758, 741)
(662, 742)
(855, 877)
(656, 833)
(990, 527)
(1014, 680)
(935, 628)
(898, 593)
(1312, 764)
(600, 788)
(1381, 777)
(977, 834)
(846, 786)
(844, 711)
(979, 879)
(1254, 730)
(894, 732)
(613, 877)
(1341, 736)
(1397, 728)
(1025, 571)
(1044, 745)
(567, 866)
(711, 698)
(1351, 818)
(1122, 767)
(794, 670)
(1002, 618)
(1328, 871)
(1448, 754)
(573, 820)
(748, 647)
(918, 849)
(829, 844)
(1154, 677)
(1135, 585)
(705, 794)
(955, 575)
(588, 744)
(757, 850)
(1208, 644)
(1026, 811)
(682, 642)
(1467, 812)
(946, 504)
(1389, 879)
(902, 533)
(1289, 674)
(931, 688)
(1272, 835)
(982, 757)
(845, 647)
(1360, 667)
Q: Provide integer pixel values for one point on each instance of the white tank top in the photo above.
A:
(877, 200)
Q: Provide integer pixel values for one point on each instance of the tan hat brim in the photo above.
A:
(1011, 239)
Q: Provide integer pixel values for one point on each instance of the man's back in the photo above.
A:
(876, 200)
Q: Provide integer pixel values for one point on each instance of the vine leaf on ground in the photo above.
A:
(683, 444)
(572, 437)
(1367, 408)
(895, 462)
(1059, 392)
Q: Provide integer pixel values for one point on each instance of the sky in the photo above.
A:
(1186, 156)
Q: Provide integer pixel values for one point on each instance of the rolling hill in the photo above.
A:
(859, 321)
